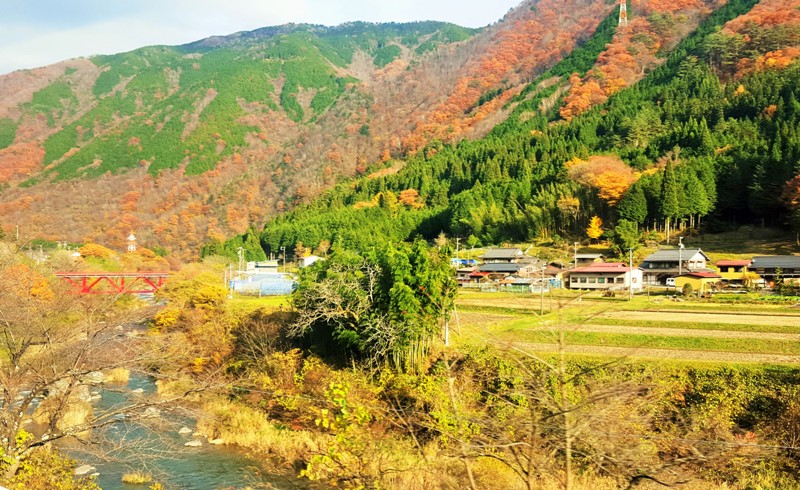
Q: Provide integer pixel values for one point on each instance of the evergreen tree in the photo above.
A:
(633, 205)
(669, 197)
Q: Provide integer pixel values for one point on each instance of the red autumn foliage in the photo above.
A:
(653, 25)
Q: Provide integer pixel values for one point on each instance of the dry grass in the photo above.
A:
(251, 429)
(137, 478)
(117, 376)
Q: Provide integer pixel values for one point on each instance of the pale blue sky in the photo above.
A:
(39, 32)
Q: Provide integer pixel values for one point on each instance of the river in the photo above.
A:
(207, 467)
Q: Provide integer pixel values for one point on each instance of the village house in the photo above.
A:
(663, 264)
(700, 282)
(607, 275)
(497, 272)
(772, 268)
(735, 271)
(505, 256)
(583, 260)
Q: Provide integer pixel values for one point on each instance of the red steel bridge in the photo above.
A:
(114, 282)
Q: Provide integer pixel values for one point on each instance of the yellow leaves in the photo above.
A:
(95, 250)
(608, 174)
(595, 228)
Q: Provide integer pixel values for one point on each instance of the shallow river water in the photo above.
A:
(207, 467)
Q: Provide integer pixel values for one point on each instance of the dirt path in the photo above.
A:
(730, 318)
(681, 332)
(633, 352)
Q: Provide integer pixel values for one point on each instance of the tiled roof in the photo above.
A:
(608, 267)
(674, 255)
(733, 263)
(502, 253)
(776, 262)
(509, 268)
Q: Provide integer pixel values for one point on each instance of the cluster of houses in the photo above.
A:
(511, 268)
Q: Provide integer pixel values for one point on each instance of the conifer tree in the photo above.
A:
(669, 196)
(633, 205)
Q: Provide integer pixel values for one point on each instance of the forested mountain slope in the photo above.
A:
(189, 143)
(709, 133)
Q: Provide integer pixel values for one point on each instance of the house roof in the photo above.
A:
(607, 267)
(776, 262)
(507, 268)
(674, 255)
(589, 256)
(502, 253)
(702, 275)
(733, 263)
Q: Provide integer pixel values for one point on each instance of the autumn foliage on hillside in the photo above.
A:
(767, 37)
(532, 40)
(654, 27)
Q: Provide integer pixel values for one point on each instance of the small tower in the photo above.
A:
(131, 243)
(623, 13)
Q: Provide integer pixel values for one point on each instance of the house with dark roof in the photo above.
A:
(505, 255)
(582, 260)
(606, 275)
(499, 271)
(774, 267)
(663, 264)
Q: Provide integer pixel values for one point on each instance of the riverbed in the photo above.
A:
(160, 450)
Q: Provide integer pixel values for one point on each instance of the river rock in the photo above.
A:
(184, 431)
(151, 413)
(84, 469)
(95, 378)
(216, 442)
(194, 443)
(137, 391)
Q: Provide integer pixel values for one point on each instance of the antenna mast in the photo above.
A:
(623, 13)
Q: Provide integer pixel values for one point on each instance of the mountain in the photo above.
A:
(684, 117)
(179, 144)
(522, 129)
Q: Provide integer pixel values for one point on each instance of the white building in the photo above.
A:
(608, 275)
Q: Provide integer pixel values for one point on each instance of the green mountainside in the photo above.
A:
(145, 99)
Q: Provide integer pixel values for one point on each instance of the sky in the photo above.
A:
(35, 33)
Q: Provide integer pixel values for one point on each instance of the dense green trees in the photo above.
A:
(385, 305)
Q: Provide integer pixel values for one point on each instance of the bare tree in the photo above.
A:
(54, 347)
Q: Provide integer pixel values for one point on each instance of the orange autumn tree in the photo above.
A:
(607, 174)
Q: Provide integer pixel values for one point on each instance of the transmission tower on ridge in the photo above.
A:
(623, 13)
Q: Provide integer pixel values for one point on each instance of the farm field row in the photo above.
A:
(695, 331)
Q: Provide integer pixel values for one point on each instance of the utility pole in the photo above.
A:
(575, 253)
(541, 294)
(283, 256)
(630, 274)
(240, 253)
(457, 243)
(680, 255)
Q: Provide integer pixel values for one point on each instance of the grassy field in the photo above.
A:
(600, 326)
